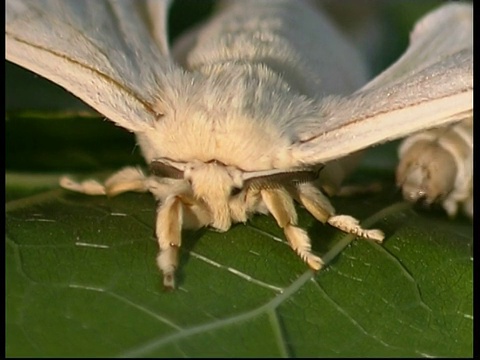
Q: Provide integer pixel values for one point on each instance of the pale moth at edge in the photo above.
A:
(256, 108)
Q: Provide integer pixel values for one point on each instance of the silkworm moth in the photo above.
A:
(437, 166)
(250, 112)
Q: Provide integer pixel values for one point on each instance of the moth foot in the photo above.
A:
(88, 187)
(300, 243)
(350, 225)
(315, 262)
(169, 281)
(167, 261)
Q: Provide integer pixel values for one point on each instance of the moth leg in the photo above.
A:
(281, 206)
(126, 179)
(168, 231)
(351, 225)
(88, 187)
(315, 202)
(175, 213)
(321, 208)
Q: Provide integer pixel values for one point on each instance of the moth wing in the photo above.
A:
(158, 16)
(443, 32)
(430, 85)
(101, 51)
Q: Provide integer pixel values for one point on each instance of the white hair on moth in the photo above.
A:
(437, 166)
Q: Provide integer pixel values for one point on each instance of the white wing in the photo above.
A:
(430, 85)
(101, 51)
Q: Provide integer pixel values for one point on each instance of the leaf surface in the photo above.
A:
(81, 279)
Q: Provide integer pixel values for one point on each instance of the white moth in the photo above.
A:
(437, 166)
(242, 115)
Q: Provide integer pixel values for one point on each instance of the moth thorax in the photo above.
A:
(212, 184)
(426, 172)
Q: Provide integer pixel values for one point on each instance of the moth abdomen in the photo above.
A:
(437, 166)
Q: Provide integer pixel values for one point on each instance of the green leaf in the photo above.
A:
(82, 280)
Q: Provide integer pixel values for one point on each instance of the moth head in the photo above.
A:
(215, 185)
(426, 173)
(212, 184)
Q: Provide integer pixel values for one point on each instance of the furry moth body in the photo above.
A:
(437, 166)
(241, 116)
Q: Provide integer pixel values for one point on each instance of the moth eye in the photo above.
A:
(235, 191)
(161, 169)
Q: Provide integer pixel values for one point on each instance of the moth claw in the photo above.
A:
(315, 262)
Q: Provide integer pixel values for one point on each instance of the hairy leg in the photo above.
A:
(281, 206)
